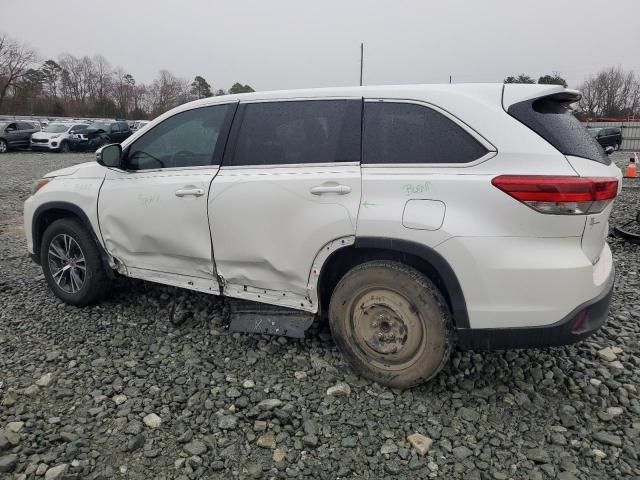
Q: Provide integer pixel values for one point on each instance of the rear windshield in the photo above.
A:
(552, 120)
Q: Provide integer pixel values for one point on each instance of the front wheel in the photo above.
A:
(64, 147)
(616, 146)
(391, 323)
(72, 264)
(3, 146)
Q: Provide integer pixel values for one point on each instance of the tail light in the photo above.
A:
(560, 195)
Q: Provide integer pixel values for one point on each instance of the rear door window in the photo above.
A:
(297, 132)
(552, 119)
(410, 133)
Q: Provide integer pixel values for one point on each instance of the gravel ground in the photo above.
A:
(116, 391)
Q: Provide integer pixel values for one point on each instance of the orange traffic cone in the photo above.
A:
(632, 169)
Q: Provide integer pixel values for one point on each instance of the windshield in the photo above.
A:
(99, 126)
(56, 128)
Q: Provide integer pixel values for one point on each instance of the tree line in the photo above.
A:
(89, 86)
(610, 93)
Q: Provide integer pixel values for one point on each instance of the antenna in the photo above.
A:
(361, 61)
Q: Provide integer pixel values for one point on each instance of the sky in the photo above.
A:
(283, 44)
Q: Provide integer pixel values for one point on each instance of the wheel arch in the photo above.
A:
(424, 259)
(49, 212)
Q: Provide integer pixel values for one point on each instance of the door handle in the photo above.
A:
(196, 192)
(332, 188)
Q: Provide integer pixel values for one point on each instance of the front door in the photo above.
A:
(153, 211)
(289, 185)
(13, 135)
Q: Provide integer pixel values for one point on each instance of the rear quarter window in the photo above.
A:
(551, 118)
(400, 133)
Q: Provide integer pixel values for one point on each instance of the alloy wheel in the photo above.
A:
(67, 263)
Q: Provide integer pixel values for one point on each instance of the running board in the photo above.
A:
(254, 317)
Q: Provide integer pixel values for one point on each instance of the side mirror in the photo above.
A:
(110, 155)
(608, 150)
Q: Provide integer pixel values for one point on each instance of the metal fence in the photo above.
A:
(630, 133)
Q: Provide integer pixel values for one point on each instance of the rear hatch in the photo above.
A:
(549, 114)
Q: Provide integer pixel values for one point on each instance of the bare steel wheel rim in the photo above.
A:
(67, 263)
(386, 328)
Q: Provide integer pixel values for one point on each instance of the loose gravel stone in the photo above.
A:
(339, 390)
(14, 427)
(462, 452)
(152, 420)
(54, 473)
(420, 443)
(195, 447)
(269, 404)
(227, 422)
(44, 380)
(279, 455)
(607, 354)
(8, 463)
(114, 363)
(266, 441)
(608, 439)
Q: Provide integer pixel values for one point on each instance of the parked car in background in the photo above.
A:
(15, 134)
(607, 136)
(138, 124)
(56, 136)
(376, 234)
(99, 133)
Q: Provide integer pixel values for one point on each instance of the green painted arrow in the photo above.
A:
(366, 204)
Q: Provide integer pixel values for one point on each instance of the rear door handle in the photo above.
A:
(333, 188)
(184, 192)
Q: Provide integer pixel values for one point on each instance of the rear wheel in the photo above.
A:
(72, 264)
(3, 146)
(616, 146)
(391, 323)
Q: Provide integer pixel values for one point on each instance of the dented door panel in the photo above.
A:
(269, 223)
(157, 221)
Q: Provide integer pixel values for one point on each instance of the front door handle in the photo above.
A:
(331, 188)
(184, 192)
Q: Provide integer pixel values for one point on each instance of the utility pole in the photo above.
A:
(361, 61)
(449, 78)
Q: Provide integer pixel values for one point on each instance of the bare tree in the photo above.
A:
(612, 92)
(15, 60)
(167, 91)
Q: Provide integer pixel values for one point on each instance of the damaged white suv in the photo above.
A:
(412, 216)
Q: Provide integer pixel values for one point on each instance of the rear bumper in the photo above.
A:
(582, 322)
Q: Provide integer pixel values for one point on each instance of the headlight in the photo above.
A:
(38, 184)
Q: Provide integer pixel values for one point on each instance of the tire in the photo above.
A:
(3, 146)
(391, 323)
(616, 147)
(64, 147)
(72, 286)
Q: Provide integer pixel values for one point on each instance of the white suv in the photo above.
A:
(415, 217)
(56, 136)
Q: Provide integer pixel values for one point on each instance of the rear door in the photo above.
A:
(153, 211)
(26, 130)
(289, 185)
